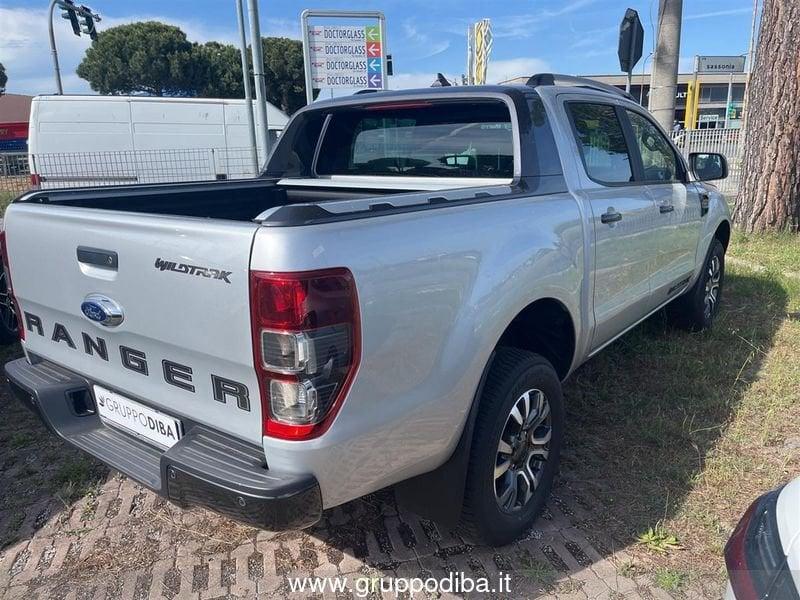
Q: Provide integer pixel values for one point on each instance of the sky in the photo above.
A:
(424, 36)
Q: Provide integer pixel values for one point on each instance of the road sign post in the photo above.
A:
(344, 56)
(631, 44)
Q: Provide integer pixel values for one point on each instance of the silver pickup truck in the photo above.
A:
(394, 302)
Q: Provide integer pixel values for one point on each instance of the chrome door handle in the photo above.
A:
(666, 208)
(610, 217)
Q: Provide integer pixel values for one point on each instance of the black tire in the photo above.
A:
(513, 373)
(9, 333)
(693, 310)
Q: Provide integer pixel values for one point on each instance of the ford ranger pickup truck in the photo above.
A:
(395, 301)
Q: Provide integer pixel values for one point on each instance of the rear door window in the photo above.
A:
(420, 139)
(602, 142)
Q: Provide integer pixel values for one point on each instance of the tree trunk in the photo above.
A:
(769, 195)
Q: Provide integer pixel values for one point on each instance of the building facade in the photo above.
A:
(15, 110)
(712, 110)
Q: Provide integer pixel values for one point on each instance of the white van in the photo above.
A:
(111, 140)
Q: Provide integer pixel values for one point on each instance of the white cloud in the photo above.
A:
(719, 13)
(25, 51)
(499, 70)
(503, 70)
(406, 81)
(525, 25)
(420, 45)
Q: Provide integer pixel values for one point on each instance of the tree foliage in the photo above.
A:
(157, 59)
(147, 57)
(3, 79)
(220, 71)
(283, 73)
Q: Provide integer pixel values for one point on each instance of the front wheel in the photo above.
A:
(698, 307)
(515, 449)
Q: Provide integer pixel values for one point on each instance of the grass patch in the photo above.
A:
(537, 571)
(658, 540)
(20, 439)
(5, 199)
(670, 579)
(685, 430)
(75, 478)
(777, 251)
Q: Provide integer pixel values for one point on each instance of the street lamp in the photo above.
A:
(82, 19)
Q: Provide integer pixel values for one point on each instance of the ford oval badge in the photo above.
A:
(103, 310)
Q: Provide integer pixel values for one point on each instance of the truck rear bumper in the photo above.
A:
(205, 467)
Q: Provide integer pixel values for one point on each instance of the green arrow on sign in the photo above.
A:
(373, 33)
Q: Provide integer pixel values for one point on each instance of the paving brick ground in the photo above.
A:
(128, 543)
(115, 539)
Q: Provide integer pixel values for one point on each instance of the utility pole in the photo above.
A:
(258, 74)
(82, 19)
(664, 80)
(751, 60)
(53, 51)
(248, 94)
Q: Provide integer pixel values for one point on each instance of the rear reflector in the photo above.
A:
(306, 346)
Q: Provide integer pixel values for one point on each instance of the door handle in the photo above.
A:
(666, 208)
(611, 216)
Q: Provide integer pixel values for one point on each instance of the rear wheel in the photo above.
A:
(516, 447)
(698, 307)
(8, 316)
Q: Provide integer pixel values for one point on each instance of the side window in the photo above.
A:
(658, 158)
(602, 142)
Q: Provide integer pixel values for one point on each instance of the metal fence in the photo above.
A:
(719, 141)
(59, 170)
(20, 171)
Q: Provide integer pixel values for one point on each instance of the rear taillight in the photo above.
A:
(755, 557)
(9, 289)
(306, 347)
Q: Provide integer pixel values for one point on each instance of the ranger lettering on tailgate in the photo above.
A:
(175, 374)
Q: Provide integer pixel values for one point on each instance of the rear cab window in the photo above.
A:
(469, 139)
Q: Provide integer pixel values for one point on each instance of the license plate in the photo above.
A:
(148, 423)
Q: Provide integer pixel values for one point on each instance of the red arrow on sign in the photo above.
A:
(374, 49)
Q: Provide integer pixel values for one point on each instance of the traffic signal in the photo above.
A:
(88, 23)
(69, 13)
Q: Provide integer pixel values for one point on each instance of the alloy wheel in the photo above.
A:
(714, 273)
(522, 451)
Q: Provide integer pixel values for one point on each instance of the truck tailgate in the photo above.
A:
(184, 345)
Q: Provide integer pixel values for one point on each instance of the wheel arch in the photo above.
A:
(723, 233)
(546, 327)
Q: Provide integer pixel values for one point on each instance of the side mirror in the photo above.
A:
(708, 167)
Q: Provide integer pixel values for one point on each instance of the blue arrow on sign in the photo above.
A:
(374, 65)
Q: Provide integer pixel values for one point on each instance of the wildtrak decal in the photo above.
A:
(208, 272)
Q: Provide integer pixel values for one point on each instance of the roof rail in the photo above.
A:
(570, 80)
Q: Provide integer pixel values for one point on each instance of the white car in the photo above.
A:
(763, 554)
